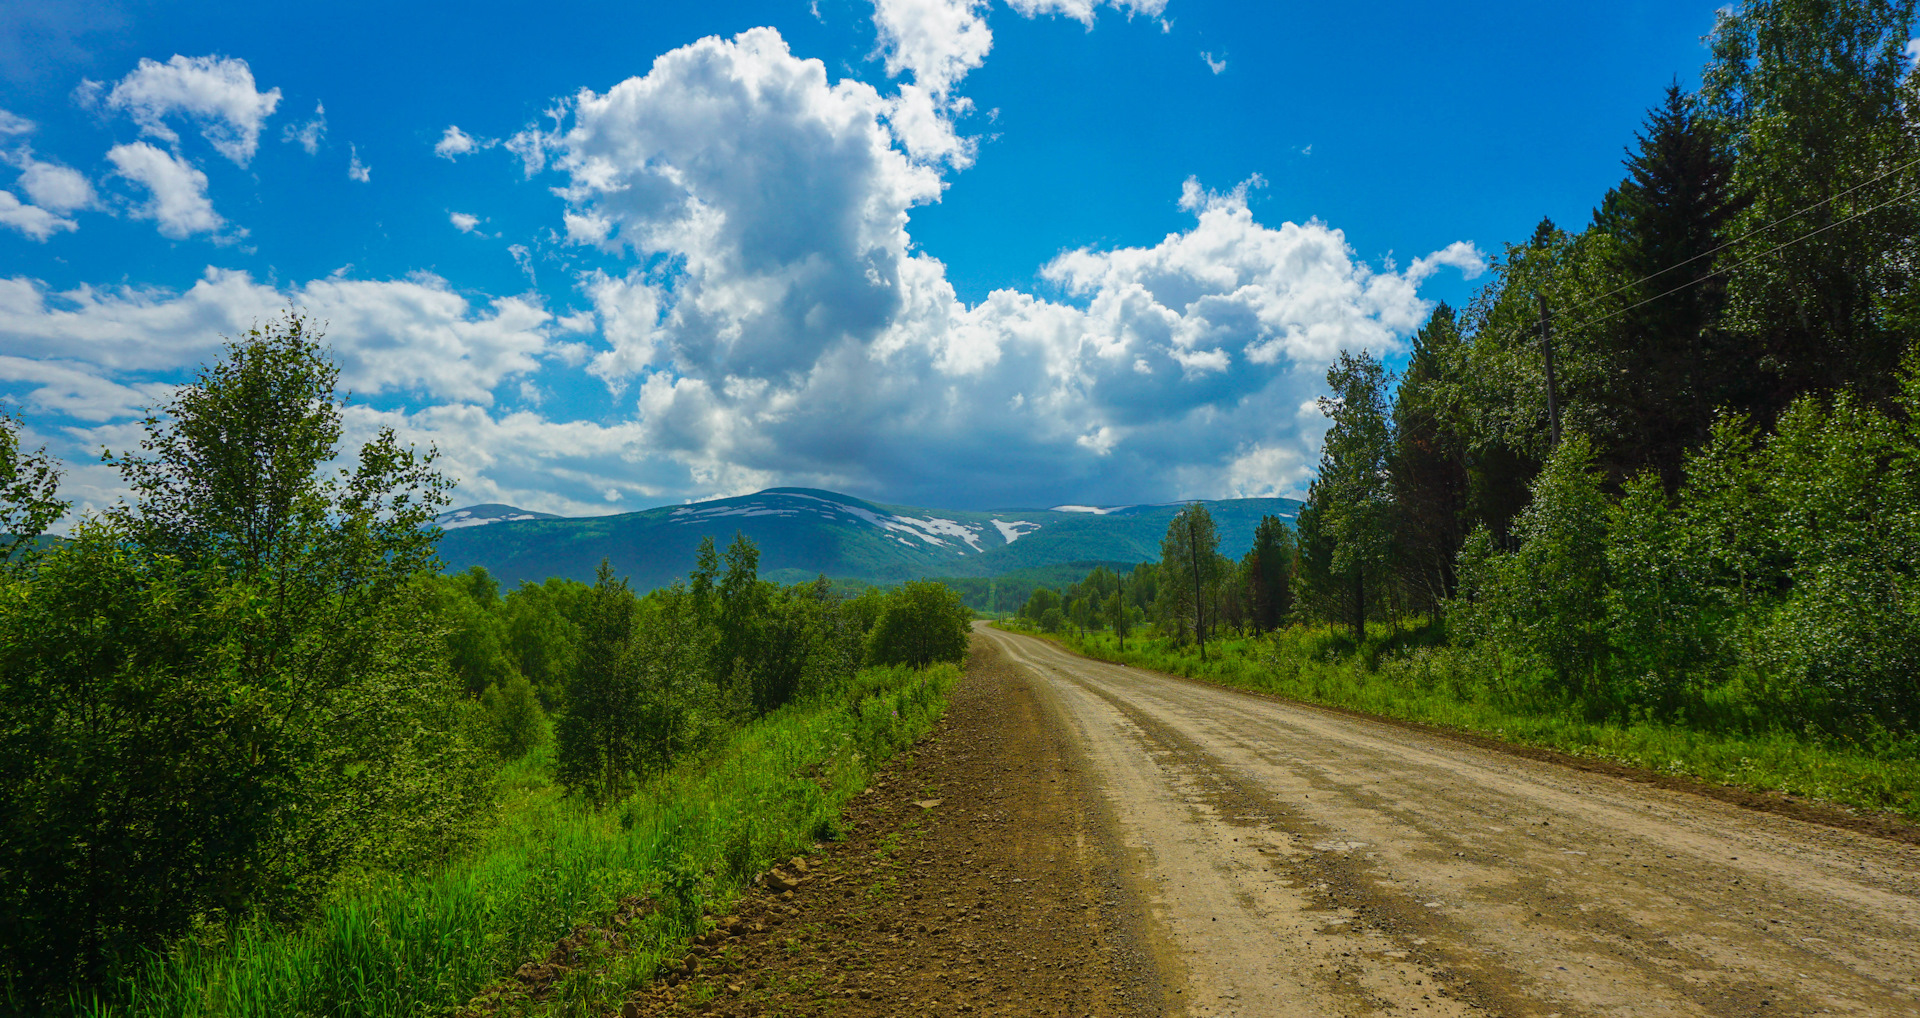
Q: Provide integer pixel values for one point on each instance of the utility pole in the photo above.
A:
(1553, 398)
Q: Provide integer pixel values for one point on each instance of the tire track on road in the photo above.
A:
(1372, 862)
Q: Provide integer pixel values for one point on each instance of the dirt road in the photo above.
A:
(1291, 861)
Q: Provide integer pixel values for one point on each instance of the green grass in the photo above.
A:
(409, 945)
(1407, 674)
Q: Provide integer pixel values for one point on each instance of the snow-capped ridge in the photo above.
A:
(486, 513)
(932, 530)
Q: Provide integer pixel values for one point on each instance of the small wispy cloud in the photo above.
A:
(308, 135)
(464, 222)
(357, 170)
(1216, 66)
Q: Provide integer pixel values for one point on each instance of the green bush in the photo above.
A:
(515, 722)
(426, 942)
(921, 623)
(218, 697)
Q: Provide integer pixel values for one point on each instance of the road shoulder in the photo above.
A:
(980, 877)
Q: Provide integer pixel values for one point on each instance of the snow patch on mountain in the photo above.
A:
(1010, 529)
(1097, 510)
(732, 510)
(933, 530)
(481, 515)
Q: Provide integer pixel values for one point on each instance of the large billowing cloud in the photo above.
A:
(778, 323)
(760, 315)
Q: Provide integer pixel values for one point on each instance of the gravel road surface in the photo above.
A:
(1294, 861)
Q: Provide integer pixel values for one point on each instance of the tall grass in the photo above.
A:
(398, 945)
(1411, 675)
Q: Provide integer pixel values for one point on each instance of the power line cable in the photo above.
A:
(1748, 260)
(1511, 333)
(1750, 233)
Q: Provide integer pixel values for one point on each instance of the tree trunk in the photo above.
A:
(1360, 606)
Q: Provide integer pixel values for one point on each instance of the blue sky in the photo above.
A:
(937, 252)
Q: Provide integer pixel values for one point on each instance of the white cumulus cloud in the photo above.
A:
(215, 93)
(53, 192)
(455, 143)
(405, 335)
(783, 192)
(939, 41)
(1216, 66)
(55, 187)
(463, 222)
(177, 192)
(32, 220)
(793, 333)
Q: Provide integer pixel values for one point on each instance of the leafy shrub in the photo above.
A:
(219, 696)
(922, 623)
(515, 722)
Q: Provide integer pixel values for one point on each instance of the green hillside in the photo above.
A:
(804, 532)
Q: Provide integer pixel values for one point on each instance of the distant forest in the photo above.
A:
(1666, 463)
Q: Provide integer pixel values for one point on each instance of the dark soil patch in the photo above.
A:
(978, 880)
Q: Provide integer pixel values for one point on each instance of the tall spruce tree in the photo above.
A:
(1674, 368)
(1269, 569)
(1429, 469)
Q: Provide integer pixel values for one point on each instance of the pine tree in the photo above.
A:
(1269, 566)
(1674, 367)
(1429, 471)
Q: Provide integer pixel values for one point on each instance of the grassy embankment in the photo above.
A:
(408, 945)
(1402, 674)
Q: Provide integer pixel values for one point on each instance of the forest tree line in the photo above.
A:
(1667, 463)
(248, 681)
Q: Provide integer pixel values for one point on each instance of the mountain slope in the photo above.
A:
(802, 532)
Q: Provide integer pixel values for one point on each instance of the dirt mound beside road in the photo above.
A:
(977, 881)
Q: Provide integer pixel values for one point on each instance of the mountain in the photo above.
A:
(803, 532)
